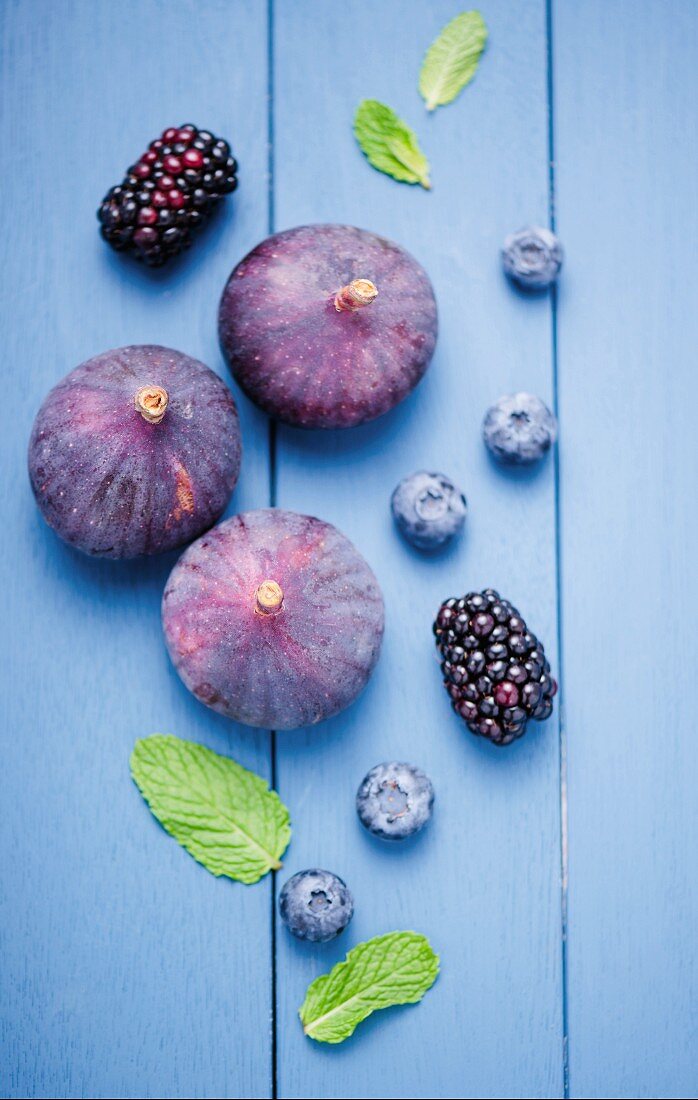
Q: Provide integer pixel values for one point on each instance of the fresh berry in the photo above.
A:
(496, 691)
(182, 164)
(395, 800)
(519, 429)
(532, 257)
(428, 509)
(316, 905)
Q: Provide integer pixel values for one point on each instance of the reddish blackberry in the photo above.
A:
(494, 668)
(167, 194)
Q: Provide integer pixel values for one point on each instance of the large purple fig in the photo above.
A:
(136, 451)
(327, 326)
(273, 619)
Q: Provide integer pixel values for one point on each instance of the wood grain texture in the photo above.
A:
(626, 196)
(127, 969)
(483, 881)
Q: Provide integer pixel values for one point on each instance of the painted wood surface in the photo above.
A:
(127, 970)
(483, 883)
(626, 145)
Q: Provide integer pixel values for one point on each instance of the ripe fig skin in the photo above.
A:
(276, 671)
(115, 485)
(301, 359)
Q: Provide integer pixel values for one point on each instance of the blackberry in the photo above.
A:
(168, 194)
(495, 669)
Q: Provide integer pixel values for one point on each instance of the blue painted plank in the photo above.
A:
(626, 151)
(127, 969)
(483, 882)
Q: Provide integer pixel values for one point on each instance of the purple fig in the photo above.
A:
(136, 451)
(273, 619)
(327, 326)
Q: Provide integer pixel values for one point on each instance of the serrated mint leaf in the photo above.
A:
(224, 815)
(394, 969)
(389, 143)
(452, 59)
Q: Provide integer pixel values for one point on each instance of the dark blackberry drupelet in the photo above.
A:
(495, 670)
(168, 194)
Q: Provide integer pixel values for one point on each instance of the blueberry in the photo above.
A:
(532, 257)
(519, 429)
(429, 509)
(316, 905)
(394, 800)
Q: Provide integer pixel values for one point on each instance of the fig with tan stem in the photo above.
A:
(288, 650)
(136, 451)
(328, 326)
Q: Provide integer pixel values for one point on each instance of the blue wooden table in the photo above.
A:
(558, 878)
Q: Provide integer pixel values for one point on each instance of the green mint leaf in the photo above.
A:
(224, 815)
(452, 59)
(389, 143)
(394, 969)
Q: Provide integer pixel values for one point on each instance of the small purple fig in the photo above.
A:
(274, 619)
(136, 451)
(327, 326)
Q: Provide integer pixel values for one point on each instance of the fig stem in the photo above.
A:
(269, 598)
(151, 402)
(355, 295)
